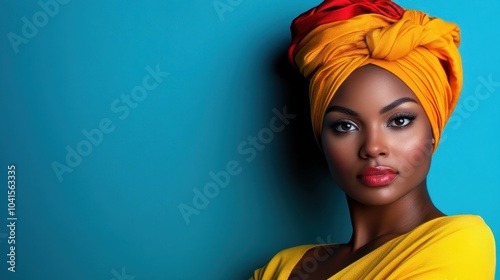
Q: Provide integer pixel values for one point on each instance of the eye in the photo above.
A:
(343, 126)
(402, 120)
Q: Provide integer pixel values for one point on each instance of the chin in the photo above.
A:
(380, 196)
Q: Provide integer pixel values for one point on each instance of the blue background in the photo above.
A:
(116, 215)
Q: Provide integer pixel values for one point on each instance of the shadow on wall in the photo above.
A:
(316, 210)
(303, 156)
(321, 203)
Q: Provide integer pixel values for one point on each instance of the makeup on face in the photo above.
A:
(377, 176)
(373, 130)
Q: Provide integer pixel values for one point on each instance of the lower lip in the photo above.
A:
(378, 180)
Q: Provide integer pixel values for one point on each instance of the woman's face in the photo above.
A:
(377, 138)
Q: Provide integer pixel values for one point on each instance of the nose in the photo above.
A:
(374, 144)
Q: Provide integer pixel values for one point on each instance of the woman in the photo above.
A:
(383, 83)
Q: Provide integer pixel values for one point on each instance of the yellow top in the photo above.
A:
(451, 247)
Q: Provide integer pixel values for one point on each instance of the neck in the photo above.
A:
(374, 225)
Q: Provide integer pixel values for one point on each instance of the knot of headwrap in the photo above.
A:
(332, 40)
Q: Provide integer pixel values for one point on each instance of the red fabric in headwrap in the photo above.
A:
(330, 11)
(337, 37)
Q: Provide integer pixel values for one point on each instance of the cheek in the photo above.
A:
(339, 156)
(414, 155)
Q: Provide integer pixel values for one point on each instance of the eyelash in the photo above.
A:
(338, 123)
(410, 117)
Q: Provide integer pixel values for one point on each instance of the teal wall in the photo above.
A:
(117, 114)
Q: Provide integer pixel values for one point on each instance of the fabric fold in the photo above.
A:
(332, 40)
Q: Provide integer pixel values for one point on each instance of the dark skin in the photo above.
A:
(374, 119)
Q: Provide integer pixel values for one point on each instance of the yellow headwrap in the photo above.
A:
(421, 50)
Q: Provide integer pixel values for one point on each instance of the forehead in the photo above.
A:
(371, 85)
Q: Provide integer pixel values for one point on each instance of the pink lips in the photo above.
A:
(377, 176)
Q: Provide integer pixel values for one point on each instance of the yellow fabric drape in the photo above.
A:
(452, 247)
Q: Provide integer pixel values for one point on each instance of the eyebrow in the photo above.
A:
(396, 104)
(386, 109)
(341, 110)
